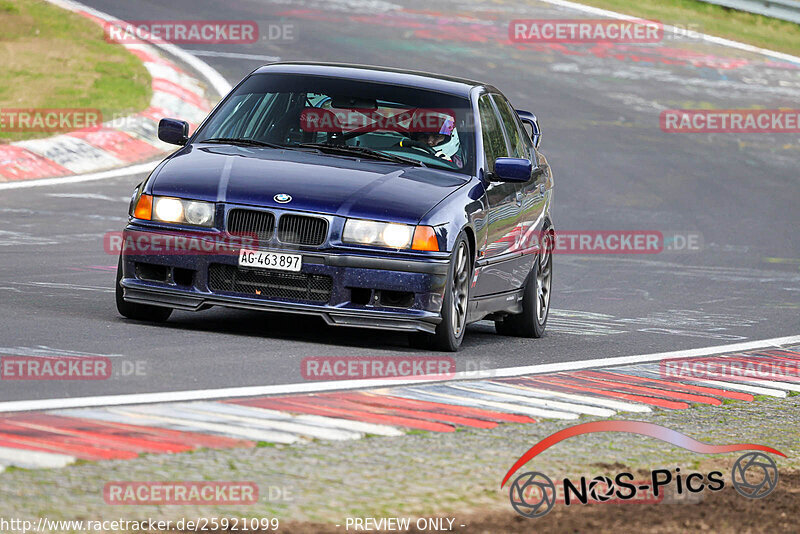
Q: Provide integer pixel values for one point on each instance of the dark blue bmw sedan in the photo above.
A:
(371, 197)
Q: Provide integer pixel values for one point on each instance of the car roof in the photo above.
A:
(423, 80)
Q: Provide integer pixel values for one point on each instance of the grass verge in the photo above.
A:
(715, 20)
(56, 59)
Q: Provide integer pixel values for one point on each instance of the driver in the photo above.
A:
(437, 131)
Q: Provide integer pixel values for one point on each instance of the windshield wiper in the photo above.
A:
(242, 141)
(361, 151)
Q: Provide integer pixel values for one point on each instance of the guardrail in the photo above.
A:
(788, 10)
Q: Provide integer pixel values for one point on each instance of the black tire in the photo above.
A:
(535, 306)
(450, 332)
(138, 312)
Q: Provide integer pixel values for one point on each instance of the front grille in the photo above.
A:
(302, 230)
(250, 222)
(270, 284)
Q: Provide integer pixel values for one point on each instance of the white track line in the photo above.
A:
(520, 396)
(33, 459)
(217, 81)
(789, 386)
(317, 420)
(707, 38)
(583, 399)
(482, 401)
(237, 414)
(750, 386)
(140, 168)
(754, 390)
(214, 78)
(349, 424)
(130, 417)
(174, 415)
(338, 385)
(235, 55)
(222, 86)
(324, 421)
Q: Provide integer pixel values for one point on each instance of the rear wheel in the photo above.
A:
(535, 301)
(138, 312)
(450, 332)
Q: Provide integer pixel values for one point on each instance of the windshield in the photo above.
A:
(349, 117)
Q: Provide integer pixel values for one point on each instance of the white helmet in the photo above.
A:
(449, 147)
(444, 125)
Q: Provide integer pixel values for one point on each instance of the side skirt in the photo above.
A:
(501, 303)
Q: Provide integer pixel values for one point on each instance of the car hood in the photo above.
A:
(317, 183)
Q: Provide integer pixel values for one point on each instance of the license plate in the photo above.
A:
(262, 259)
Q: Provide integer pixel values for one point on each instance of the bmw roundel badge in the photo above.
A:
(282, 198)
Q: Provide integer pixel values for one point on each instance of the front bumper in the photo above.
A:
(185, 285)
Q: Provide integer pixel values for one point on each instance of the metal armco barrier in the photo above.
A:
(788, 10)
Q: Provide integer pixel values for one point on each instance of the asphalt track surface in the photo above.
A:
(614, 169)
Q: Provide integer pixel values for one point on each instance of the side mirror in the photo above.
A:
(512, 169)
(530, 119)
(173, 131)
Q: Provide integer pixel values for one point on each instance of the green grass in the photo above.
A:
(56, 59)
(714, 20)
(8, 7)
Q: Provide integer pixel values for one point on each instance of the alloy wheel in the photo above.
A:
(543, 282)
(460, 289)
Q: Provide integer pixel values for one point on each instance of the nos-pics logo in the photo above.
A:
(533, 494)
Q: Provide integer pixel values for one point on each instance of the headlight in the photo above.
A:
(175, 210)
(199, 213)
(169, 210)
(397, 235)
(362, 232)
(390, 235)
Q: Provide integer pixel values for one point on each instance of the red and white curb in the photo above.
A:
(123, 430)
(117, 142)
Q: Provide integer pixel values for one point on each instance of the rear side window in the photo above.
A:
(494, 143)
(510, 123)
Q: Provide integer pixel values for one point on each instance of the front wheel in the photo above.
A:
(535, 301)
(450, 332)
(138, 312)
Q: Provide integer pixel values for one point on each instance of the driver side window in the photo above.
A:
(494, 143)
(515, 136)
